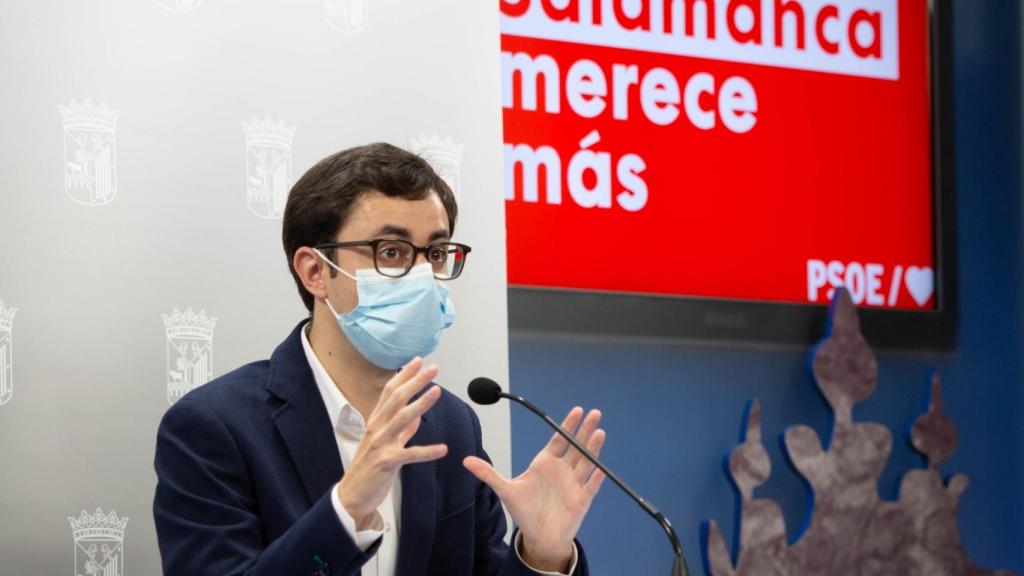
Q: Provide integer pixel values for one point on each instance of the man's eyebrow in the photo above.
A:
(437, 235)
(392, 230)
(389, 229)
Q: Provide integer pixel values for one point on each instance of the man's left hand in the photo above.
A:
(550, 499)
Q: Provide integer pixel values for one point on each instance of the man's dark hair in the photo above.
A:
(319, 202)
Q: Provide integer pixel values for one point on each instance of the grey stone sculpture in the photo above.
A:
(852, 531)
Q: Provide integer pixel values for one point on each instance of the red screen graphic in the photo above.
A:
(764, 150)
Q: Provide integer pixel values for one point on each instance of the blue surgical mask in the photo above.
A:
(396, 319)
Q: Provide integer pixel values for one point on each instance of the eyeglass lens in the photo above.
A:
(396, 257)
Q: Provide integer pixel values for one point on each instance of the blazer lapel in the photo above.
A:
(419, 506)
(306, 429)
(302, 419)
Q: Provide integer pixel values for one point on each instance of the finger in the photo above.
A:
(574, 456)
(412, 412)
(414, 454)
(594, 484)
(406, 390)
(408, 371)
(409, 431)
(584, 467)
(557, 445)
(488, 475)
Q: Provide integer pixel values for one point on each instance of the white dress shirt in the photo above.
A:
(349, 426)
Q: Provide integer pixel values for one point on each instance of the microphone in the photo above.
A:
(485, 391)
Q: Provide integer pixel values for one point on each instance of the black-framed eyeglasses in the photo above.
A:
(395, 257)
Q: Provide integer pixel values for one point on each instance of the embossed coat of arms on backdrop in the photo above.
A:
(189, 351)
(90, 152)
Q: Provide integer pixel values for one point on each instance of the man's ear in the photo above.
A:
(312, 271)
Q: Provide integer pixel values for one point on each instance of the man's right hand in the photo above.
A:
(382, 451)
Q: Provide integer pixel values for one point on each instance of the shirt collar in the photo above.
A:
(345, 419)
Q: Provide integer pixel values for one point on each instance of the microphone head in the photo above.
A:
(484, 391)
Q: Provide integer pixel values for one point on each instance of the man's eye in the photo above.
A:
(438, 254)
(389, 252)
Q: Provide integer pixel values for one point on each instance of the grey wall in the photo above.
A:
(106, 226)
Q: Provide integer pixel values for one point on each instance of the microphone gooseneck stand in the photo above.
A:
(679, 567)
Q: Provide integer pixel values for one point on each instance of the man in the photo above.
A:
(338, 455)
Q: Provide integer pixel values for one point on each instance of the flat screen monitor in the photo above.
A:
(716, 169)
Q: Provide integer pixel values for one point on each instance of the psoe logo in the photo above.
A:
(90, 153)
(189, 351)
(444, 155)
(268, 165)
(99, 543)
(346, 15)
(179, 6)
(6, 353)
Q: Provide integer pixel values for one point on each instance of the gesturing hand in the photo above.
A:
(382, 451)
(550, 499)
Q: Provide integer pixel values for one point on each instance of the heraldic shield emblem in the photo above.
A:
(346, 15)
(90, 153)
(99, 543)
(189, 351)
(444, 156)
(6, 353)
(268, 165)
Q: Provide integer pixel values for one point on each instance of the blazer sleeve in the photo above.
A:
(206, 512)
(493, 556)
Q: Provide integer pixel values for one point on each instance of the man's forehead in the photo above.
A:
(375, 213)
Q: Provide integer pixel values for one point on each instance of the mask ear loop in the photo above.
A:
(332, 264)
(336, 267)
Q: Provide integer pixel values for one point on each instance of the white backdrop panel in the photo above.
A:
(154, 198)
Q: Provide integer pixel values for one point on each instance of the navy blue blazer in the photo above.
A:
(246, 462)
